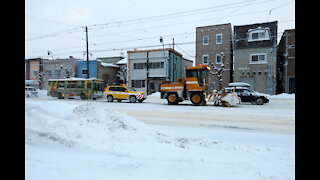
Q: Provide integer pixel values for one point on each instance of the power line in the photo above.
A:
(155, 37)
(162, 17)
(175, 15)
(147, 46)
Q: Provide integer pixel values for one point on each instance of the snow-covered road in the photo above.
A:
(276, 116)
(76, 139)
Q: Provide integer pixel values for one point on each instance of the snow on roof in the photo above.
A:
(73, 79)
(240, 84)
(30, 82)
(123, 61)
(108, 65)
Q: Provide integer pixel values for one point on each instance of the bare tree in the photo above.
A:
(122, 74)
(218, 71)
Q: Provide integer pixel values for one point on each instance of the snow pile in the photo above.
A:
(42, 93)
(156, 94)
(92, 126)
(283, 96)
(81, 125)
(80, 140)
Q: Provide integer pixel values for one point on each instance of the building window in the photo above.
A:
(205, 59)
(57, 72)
(153, 65)
(138, 65)
(218, 59)
(258, 34)
(162, 65)
(138, 83)
(84, 71)
(48, 72)
(205, 40)
(258, 58)
(35, 73)
(218, 38)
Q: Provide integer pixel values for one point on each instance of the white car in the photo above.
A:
(31, 92)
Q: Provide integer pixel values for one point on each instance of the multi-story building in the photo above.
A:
(286, 63)
(33, 71)
(148, 68)
(214, 45)
(255, 55)
(59, 69)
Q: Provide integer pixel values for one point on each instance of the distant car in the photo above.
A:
(120, 93)
(247, 95)
(31, 92)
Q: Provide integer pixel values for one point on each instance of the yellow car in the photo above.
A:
(123, 93)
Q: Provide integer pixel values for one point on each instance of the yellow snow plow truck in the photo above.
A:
(194, 88)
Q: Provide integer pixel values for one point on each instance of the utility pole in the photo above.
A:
(147, 73)
(173, 44)
(87, 52)
(173, 61)
(165, 59)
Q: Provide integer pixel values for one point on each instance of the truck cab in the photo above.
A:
(197, 78)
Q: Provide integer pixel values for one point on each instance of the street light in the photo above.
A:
(50, 53)
(166, 59)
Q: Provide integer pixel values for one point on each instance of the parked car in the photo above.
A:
(30, 92)
(248, 95)
(120, 93)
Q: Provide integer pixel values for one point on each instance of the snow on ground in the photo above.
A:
(75, 139)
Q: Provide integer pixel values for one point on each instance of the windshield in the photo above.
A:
(97, 86)
(131, 89)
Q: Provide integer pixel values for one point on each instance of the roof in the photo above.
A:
(152, 50)
(238, 84)
(74, 79)
(214, 25)
(30, 82)
(109, 65)
(123, 61)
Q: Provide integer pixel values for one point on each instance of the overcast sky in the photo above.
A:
(118, 26)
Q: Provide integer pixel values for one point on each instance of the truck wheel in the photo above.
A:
(60, 96)
(172, 98)
(197, 99)
(259, 101)
(110, 98)
(82, 96)
(132, 99)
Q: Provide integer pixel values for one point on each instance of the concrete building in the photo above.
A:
(255, 55)
(34, 68)
(211, 42)
(286, 63)
(148, 68)
(59, 69)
